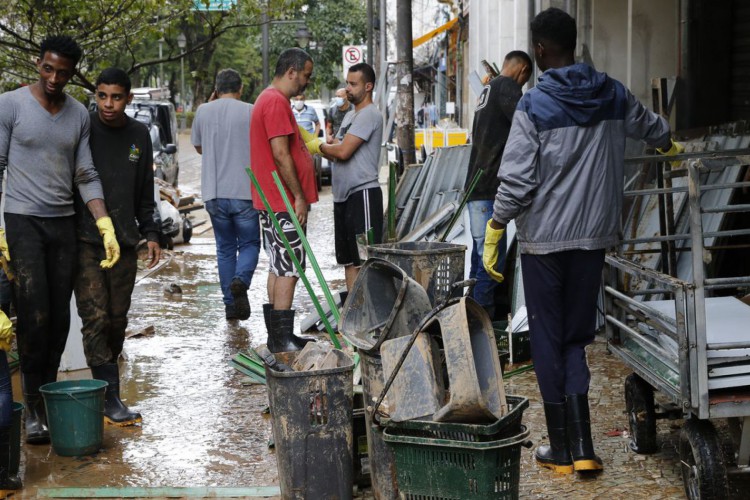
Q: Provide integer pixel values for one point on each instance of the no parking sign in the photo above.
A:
(351, 55)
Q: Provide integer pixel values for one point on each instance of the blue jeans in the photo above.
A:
(237, 233)
(480, 211)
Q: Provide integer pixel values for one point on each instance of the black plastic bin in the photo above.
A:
(434, 265)
(311, 416)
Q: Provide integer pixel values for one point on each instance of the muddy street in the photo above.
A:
(203, 424)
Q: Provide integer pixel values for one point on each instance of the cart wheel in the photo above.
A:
(639, 404)
(704, 473)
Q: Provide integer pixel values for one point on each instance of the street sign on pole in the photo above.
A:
(351, 55)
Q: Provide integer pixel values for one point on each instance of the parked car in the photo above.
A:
(152, 107)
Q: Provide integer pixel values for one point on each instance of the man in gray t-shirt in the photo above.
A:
(221, 134)
(44, 149)
(357, 197)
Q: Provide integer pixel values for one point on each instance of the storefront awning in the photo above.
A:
(431, 34)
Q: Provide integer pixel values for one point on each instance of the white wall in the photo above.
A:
(631, 40)
(653, 46)
(495, 28)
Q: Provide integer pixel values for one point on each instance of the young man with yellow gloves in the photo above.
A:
(122, 153)
(561, 179)
(44, 147)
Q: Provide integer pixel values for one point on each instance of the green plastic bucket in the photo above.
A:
(75, 415)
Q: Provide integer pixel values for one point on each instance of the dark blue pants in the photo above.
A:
(561, 291)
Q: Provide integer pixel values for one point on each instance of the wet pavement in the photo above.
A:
(203, 426)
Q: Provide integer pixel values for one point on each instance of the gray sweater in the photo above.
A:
(46, 156)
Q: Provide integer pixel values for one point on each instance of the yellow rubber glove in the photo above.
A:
(4, 245)
(491, 252)
(675, 149)
(314, 146)
(111, 247)
(306, 136)
(6, 332)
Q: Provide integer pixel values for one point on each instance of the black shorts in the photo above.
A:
(361, 211)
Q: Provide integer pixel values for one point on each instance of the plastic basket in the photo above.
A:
(434, 265)
(311, 416)
(509, 425)
(520, 351)
(452, 469)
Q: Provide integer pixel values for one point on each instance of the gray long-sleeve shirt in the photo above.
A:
(46, 156)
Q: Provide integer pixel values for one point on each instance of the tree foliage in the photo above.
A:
(126, 34)
(333, 24)
(117, 32)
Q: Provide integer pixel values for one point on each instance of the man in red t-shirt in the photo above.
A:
(276, 145)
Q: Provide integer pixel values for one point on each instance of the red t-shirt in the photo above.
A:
(273, 117)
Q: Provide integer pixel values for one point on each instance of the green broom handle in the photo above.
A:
(306, 245)
(296, 261)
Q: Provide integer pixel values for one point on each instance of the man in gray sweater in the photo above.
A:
(44, 147)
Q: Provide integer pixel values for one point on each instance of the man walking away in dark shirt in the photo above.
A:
(44, 147)
(221, 135)
(492, 119)
(122, 154)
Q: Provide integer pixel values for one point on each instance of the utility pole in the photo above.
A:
(383, 49)
(370, 33)
(405, 92)
(264, 45)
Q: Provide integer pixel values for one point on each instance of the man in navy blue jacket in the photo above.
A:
(561, 179)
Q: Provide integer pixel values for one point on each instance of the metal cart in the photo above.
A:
(680, 329)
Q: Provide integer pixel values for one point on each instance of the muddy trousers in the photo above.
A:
(561, 291)
(43, 258)
(103, 300)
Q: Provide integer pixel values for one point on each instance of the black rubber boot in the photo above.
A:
(241, 302)
(115, 411)
(7, 482)
(281, 337)
(267, 315)
(36, 415)
(556, 455)
(579, 434)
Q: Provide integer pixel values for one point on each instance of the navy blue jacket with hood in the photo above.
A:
(562, 172)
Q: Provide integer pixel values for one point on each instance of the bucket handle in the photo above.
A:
(101, 412)
(405, 353)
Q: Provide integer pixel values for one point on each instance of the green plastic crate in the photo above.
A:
(441, 469)
(507, 426)
(521, 351)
